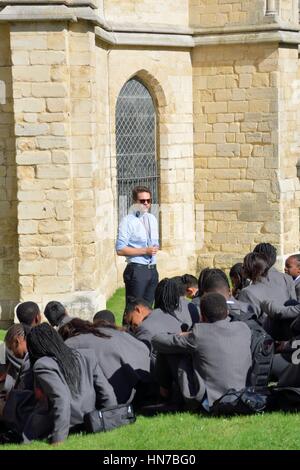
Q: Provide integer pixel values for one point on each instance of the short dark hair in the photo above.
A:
(27, 312)
(215, 283)
(296, 256)
(214, 307)
(255, 266)
(205, 274)
(140, 189)
(133, 302)
(16, 330)
(269, 251)
(104, 315)
(54, 312)
(189, 280)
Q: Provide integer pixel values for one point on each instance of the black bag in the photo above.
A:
(262, 351)
(109, 418)
(239, 402)
(285, 399)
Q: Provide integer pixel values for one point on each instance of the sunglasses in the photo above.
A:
(144, 201)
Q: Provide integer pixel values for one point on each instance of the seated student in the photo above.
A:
(264, 286)
(191, 285)
(238, 279)
(219, 351)
(146, 323)
(18, 365)
(279, 280)
(69, 381)
(56, 314)
(19, 378)
(186, 311)
(104, 316)
(28, 313)
(292, 267)
(124, 360)
(204, 274)
(217, 284)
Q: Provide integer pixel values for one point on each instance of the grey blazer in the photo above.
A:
(124, 360)
(297, 288)
(187, 312)
(276, 286)
(157, 322)
(65, 410)
(220, 352)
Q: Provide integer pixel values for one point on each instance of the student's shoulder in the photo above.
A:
(240, 326)
(45, 363)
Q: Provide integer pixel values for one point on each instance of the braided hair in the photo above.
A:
(43, 341)
(167, 296)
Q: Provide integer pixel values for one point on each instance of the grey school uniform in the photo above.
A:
(276, 286)
(221, 358)
(157, 322)
(64, 410)
(124, 360)
(297, 288)
(187, 312)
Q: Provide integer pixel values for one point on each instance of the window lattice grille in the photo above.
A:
(136, 143)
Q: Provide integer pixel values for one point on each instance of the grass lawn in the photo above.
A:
(185, 430)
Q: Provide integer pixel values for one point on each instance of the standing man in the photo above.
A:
(138, 241)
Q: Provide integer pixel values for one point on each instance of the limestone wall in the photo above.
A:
(236, 153)
(59, 165)
(219, 13)
(171, 12)
(9, 287)
(289, 146)
(289, 11)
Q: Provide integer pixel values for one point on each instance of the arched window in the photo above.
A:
(136, 143)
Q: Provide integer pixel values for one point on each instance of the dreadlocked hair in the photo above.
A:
(43, 341)
(167, 296)
(77, 327)
(15, 331)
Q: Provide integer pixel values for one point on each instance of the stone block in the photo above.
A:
(49, 90)
(32, 73)
(53, 171)
(53, 284)
(38, 267)
(35, 210)
(59, 252)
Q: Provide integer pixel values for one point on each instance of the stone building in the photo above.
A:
(223, 79)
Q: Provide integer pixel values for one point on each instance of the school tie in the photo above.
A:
(146, 223)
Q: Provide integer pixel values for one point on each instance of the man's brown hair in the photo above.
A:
(140, 189)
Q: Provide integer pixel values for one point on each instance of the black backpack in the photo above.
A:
(262, 350)
(240, 402)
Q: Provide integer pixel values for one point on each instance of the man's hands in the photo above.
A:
(151, 250)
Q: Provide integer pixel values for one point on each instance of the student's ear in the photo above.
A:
(189, 292)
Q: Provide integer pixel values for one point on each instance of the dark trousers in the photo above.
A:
(140, 282)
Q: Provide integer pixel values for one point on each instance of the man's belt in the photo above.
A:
(148, 266)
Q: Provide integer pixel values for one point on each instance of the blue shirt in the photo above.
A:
(132, 233)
